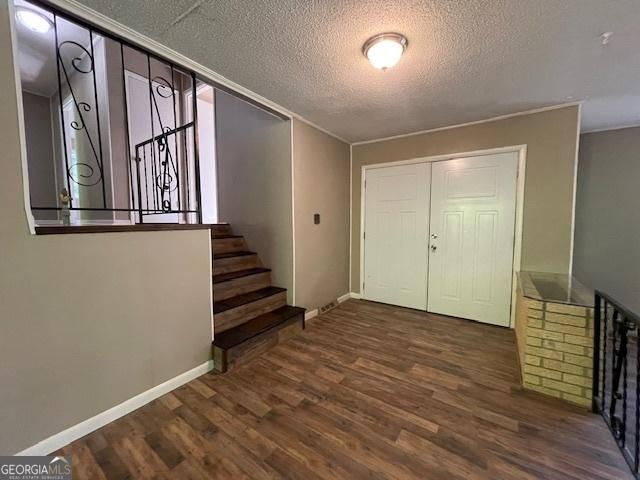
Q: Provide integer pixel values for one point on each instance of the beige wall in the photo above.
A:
(550, 137)
(254, 182)
(87, 321)
(321, 185)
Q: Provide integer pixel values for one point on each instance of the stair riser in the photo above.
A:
(236, 316)
(221, 230)
(227, 245)
(234, 264)
(238, 286)
(225, 360)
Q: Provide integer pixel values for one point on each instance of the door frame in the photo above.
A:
(521, 150)
(188, 111)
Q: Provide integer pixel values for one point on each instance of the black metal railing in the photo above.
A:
(616, 375)
(145, 168)
(159, 175)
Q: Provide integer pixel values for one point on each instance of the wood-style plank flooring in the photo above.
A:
(366, 391)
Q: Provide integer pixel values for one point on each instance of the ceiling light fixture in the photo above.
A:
(33, 20)
(384, 50)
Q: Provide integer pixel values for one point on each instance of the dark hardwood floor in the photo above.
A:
(366, 391)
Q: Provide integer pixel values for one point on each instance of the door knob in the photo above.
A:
(434, 236)
(433, 248)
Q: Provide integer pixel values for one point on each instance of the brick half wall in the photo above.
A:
(555, 345)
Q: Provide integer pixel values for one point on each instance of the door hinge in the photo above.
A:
(364, 235)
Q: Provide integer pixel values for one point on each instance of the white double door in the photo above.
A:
(439, 236)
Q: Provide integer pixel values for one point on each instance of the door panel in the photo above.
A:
(396, 231)
(473, 203)
(484, 257)
(452, 242)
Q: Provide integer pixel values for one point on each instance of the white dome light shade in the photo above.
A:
(33, 20)
(385, 50)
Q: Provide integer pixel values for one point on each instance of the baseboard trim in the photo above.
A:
(344, 297)
(355, 296)
(314, 313)
(310, 314)
(59, 440)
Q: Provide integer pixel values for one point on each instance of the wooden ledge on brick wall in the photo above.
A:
(145, 227)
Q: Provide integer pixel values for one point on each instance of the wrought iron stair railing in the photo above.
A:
(162, 183)
(616, 375)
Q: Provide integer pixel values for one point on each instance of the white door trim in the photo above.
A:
(188, 109)
(517, 250)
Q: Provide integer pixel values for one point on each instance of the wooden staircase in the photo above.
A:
(250, 315)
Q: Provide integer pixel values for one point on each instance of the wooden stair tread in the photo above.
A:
(251, 315)
(245, 298)
(225, 277)
(224, 237)
(220, 256)
(252, 328)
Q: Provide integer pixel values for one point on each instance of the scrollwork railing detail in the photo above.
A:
(81, 171)
(167, 181)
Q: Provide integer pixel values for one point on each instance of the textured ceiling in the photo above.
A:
(467, 59)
